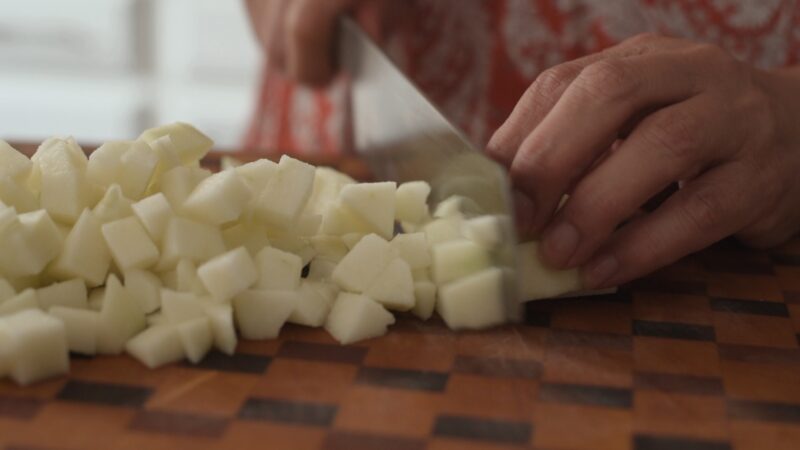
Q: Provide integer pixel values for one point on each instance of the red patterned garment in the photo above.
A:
(474, 58)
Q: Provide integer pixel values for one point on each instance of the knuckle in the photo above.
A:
(548, 87)
(609, 80)
(642, 38)
(674, 134)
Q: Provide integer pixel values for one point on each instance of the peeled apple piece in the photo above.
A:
(443, 230)
(228, 275)
(139, 165)
(537, 281)
(393, 287)
(196, 338)
(260, 314)
(412, 201)
(120, 319)
(338, 220)
(13, 163)
(17, 195)
(363, 263)
(257, 173)
(191, 144)
(20, 302)
(220, 316)
(312, 305)
(425, 299)
(278, 269)
(36, 346)
(70, 294)
(28, 242)
(327, 185)
(82, 327)
(113, 206)
(191, 240)
(456, 259)
(6, 290)
(184, 279)
(144, 287)
(474, 302)
(373, 203)
(129, 243)
(156, 346)
(154, 212)
(414, 249)
(85, 253)
(219, 199)
(356, 317)
(286, 193)
(179, 307)
(249, 235)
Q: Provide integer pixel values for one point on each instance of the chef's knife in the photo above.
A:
(403, 137)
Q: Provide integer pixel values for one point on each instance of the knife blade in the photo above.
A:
(403, 137)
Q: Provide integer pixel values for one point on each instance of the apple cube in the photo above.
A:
(489, 231)
(456, 206)
(412, 201)
(229, 274)
(157, 319)
(421, 274)
(23, 301)
(356, 317)
(338, 220)
(17, 195)
(71, 294)
(145, 288)
(456, 259)
(82, 327)
(330, 248)
(538, 281)
(356, 271)
(129, 243)
(257, 174)
(113, 206)
(425, 299)
(260, 314)
(156, 346)
(96, 297)
(184, 278)
(219, 199)
(105, 163)
(414, 249)
(393, 287)
(138, 167)
(196, 338)
(473, 302)
(38, 346)
(373, 203)
(154, 212)
(249, 235)
(442, 230)
(57, 154)
(177, 184)
(179, 307)
(120, 319)
(278, 270)
(328, 183)
(221, 317)
(286, 193)
(190, 144)
(351, 239)
(28, 242)
(321, 269)
(6, 290)
(311, 305)
(14, 164)
(191, 240)
(85, 253)
(64, 188)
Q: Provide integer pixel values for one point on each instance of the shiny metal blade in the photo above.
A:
(403, 137)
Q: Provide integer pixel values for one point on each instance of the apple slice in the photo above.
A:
(120, 319)
(221, 317)
(144, 287)
(538, 281)
(156, 346)
(260, 314)
(456, 259)
(278, 270)
(191, 145)
(356, 271)
(393, 287)
(71, 294)
(154, 212)
(312, 306)
(196, 338)
(85, 253)
(227, 275)
(474, 302)
(219, 199)
(286, 193)
(129, 243)
(356, 317)
(412, 201)
(82, 327)
(36, 346)
(373, 203)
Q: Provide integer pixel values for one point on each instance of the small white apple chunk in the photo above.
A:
(286, 193)
(249, 235)
(356, 317)
(96, 297)
(196, 338)
(6, 290)
(442, 230)
(330, 248)
(179, 307)
(177, 184)
(393, 287)
(113, 206)
(373, 203)
(537, 281)
(328, 183)
(260, 314)
(129, 243)
(155, 213)
(191, 240)
(414, 249)
(190, 144)
(23, 301)
(338, 220)
(229, 274)
(489, 231)
(82, 327)
(85, 253)
(13, 163)
(425, 299)
(412, 201)
(184, 278)
(456, 206)
(219, 199)
(71, 294)
(120, 319)
(138, 167)
(356, 271)
(37, 346)
(257, 173)
(220, 316)
(312, 305)
(321, 269)
(456, 259)
(17, 195)
(474, 302)
(28, 242)
(278, 269)
(351, 239)
(156, 346)
(144, 287)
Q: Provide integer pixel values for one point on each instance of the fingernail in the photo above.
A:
(561, 243)
(599, 271)
(524, 213)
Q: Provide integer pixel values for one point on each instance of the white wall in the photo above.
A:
(106, 69)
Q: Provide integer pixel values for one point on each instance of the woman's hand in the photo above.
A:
(298, 35)
(614, 129)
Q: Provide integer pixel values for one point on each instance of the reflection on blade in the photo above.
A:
(403, 137)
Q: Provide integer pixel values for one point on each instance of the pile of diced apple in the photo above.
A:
(138, 249)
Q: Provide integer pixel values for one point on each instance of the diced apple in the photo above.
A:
(157, 318)
(229, 274)
(71, 294)
(179, 307)
(145, 288)
(129, 243)
(393, 287)
(184, 279)
(356, 317)
(113, 206)
(85, 253)
(13, 163)
(414, 249)
(221, 317)
(330, 248)
(155, 213)
(38, 346)
(456, 206)
(489, 231)
(425, 299)
(260, 314)
(82, 327)
(338, 220)
(456, 259)
(190, 143)
(442, 230)
(23, 301)
(321, 269)
(156, 346)
(351, 239)
(286, 193)
(373, 203)
(473, 302)
(421, 274)
(307, 225)
(278, 269)
(177, 184)
(64, 188)
(96, 297)
(356, 271)
(249, 235)
(56, 154)
(139, 163)
(312, 307)
(120, 319)
(105, 163)
(17, 195)
(328, 183)
(257, 174)
(219, 199)
(412, 201)
(28, 242)
(192, 240)
(6, 290)
(196, 338)
(538, 281)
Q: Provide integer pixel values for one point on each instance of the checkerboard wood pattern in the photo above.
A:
(700, 356)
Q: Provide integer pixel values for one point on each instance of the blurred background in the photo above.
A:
(107, 69)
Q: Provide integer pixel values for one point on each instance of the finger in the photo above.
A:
(548, 88)
(266, 19)
(673, 143)
(587, 120)
(706, 210)
(309, 30)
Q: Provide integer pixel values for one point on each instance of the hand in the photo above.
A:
(298, 35)
(615, 128)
